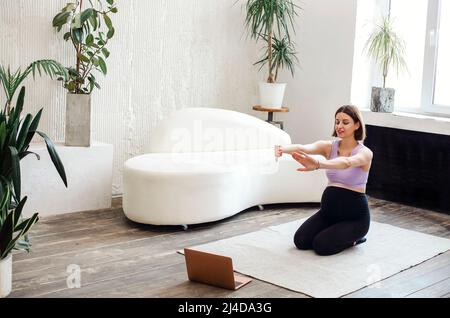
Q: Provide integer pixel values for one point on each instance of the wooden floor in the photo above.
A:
(118, 258)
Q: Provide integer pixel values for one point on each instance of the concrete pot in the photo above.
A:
(78, 120)
(5, 276)
(271, 94)
(382, 100)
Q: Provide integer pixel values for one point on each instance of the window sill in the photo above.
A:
(408, 121)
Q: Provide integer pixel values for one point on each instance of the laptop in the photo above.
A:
(213, 269)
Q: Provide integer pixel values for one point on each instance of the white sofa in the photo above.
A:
(206, 164)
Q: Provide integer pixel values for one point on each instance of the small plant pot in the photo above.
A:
(5, 276)
(382, 100)
(271, 94)
(78, 120)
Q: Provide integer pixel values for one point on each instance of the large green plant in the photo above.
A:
(12, 80)
(90, 31)
(386, 48)
(271, 22)
(16, 133)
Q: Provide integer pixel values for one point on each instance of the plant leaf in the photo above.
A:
(15, 170)
(85, 15)
(33, 127)
(6, 234)
(102, 64)
(26, 153)
(54, 157)
(2, 134)
(60, 19)
(24, 230)
(90, 40)
(105, 52)
(110, 33)
(23, 132)
(107, 22)
(18, 212)
(6, 196)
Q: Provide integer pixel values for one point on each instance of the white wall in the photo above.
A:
(325, 42)
(170, 54)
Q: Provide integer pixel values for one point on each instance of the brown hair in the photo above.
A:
(355, 114)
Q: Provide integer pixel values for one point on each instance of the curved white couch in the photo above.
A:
(206, 164)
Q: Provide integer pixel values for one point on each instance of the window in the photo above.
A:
(442, 82)
(410, 24)
(424, 25)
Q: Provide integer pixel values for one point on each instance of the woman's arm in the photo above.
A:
(362, 158)
(317, 148)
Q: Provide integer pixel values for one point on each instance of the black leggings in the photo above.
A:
(343, 219)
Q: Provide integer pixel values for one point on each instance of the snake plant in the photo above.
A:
(16, 133)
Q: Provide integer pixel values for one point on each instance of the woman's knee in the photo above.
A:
(324, 247)
(301, 241)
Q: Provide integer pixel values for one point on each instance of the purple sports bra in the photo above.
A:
(354, 177)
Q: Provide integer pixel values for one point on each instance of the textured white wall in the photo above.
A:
(170, 54)
(166, 55)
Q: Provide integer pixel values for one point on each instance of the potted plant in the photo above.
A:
(89, 30)
(387, 49)
(15, 135)
(270, 21)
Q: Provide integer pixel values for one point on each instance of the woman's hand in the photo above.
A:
(278, 152)
(308, 162)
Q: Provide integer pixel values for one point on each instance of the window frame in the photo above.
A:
(430, 61)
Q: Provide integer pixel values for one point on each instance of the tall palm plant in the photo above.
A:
(12, 80)
(386, 48)
(15, 135)
(283, 55)
(271, 21)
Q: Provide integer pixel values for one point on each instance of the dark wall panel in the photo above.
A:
(410, 167)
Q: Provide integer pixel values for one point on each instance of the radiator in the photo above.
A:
(409, 167)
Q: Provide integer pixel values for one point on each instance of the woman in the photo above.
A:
(344, 218)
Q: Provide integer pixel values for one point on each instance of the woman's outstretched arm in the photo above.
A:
(317, 148)
(362, 158)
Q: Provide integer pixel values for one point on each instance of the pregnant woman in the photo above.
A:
(344, 217)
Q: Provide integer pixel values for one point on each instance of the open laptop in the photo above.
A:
(213, 269)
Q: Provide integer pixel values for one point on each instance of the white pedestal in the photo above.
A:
(89, 179)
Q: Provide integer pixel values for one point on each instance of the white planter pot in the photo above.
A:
(5, 276)
(271, 94)
(78, 120)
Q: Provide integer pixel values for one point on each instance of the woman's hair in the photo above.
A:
(355, 114)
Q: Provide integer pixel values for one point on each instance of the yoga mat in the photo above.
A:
(270, 255)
